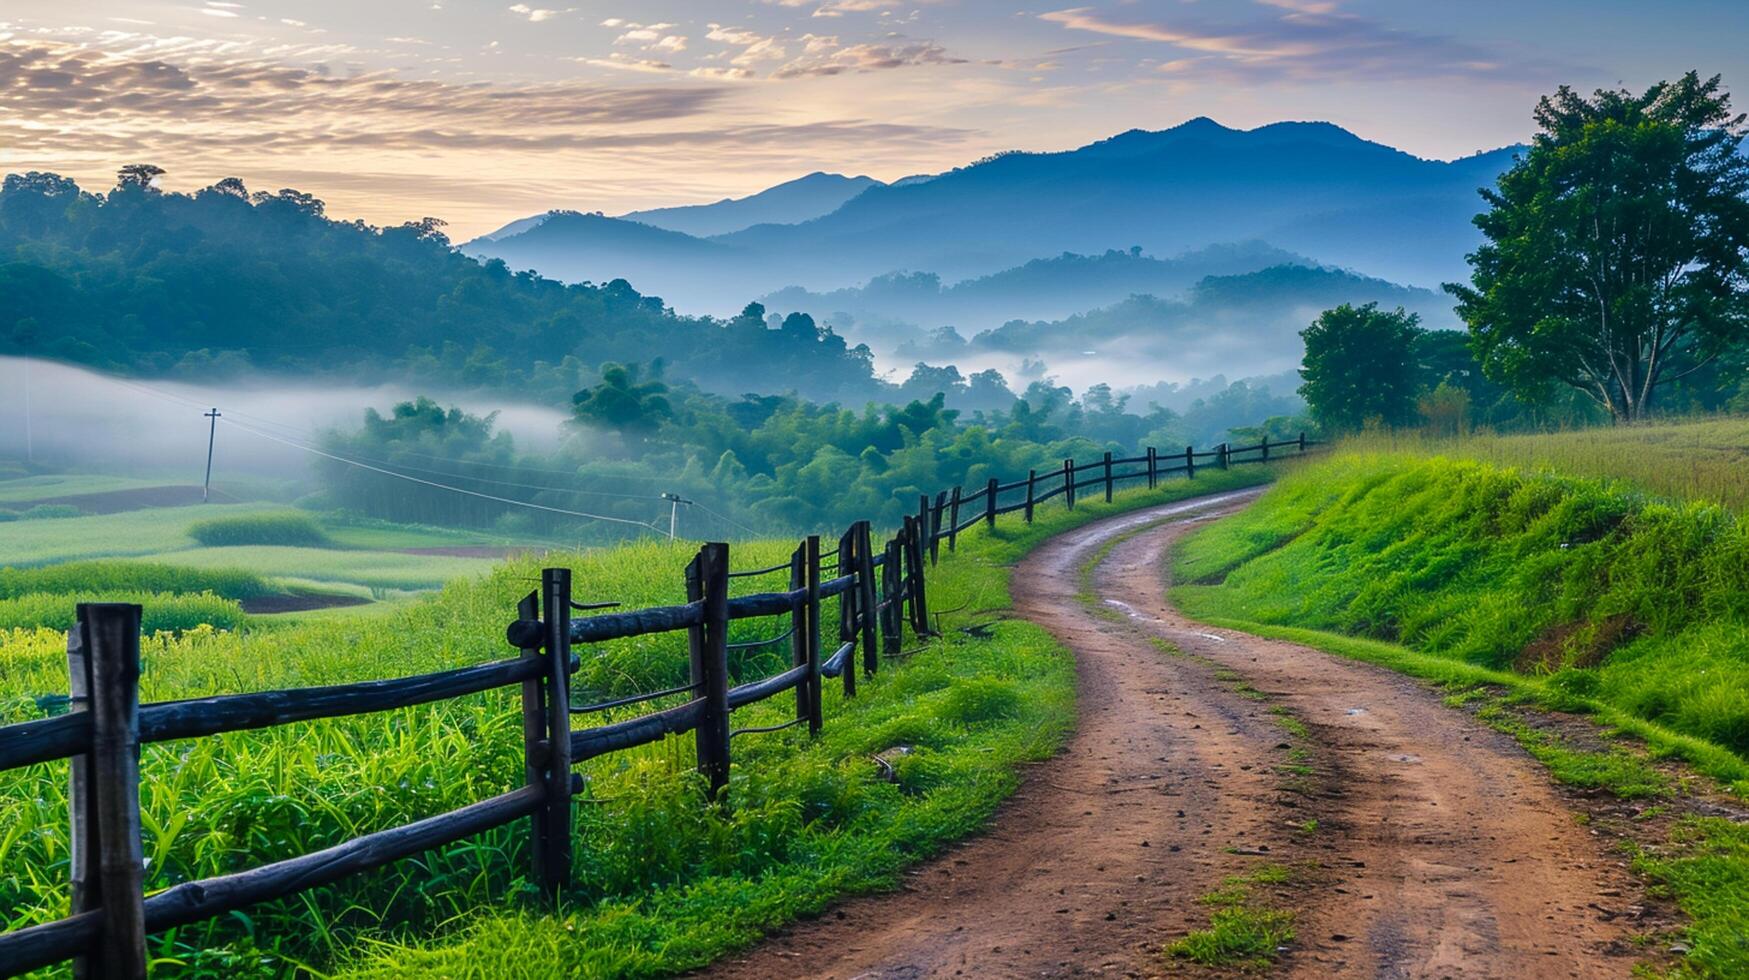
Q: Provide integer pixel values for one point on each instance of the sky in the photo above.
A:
(479, 112)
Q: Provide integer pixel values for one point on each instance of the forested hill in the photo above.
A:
(143, 282)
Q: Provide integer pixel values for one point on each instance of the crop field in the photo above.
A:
(662, 884)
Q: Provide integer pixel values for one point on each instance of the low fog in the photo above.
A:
(85, 420)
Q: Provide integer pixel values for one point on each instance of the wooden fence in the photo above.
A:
(881, 595)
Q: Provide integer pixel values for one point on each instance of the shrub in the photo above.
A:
(129, 576)
(43, 512)
(159, 611)
(293, 529)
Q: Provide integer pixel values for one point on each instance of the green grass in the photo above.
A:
(159, 610)
(1567, 593)
(141, 532)
(129, 576)
(1699, 460)
(1243, 931)
(285, 528)
(662, 883)
(317, 569)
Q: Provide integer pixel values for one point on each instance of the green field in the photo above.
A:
(371, 559)
(662, 884)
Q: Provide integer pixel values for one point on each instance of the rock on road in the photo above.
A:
(1440, 850)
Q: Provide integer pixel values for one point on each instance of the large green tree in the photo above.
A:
(1360, 366)
(1617, 251)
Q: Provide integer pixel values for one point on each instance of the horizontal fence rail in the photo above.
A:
(880, 593)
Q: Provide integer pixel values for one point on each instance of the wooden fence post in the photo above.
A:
(1265, 456)
(1153, 468)
(1189, 463)
(935, 528)
(104, 804)
(556, 603)
(1031, 479)
(850, 600)
(865, 583)
(922, 520)
(1302, 440)
(892, 618)
(798, 628)
(919, 597)
(953, 518)
(990, 503)
(1224, 458)
(1108, 478)
(707, 580)
(534, 736)
(811, 582)
(1069, 482)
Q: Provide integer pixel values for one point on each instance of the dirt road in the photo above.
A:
(1439, 849)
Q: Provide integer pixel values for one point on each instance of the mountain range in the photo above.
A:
(1306, 187)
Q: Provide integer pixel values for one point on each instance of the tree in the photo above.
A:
(1617, 249)
(1360, 366)
(137, 176)
(622, 402)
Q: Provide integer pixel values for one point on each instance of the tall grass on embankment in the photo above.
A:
(1692, 459)
(1605, 594)
(662, 883)
(1571, 593)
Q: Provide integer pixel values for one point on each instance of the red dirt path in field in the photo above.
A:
(1441, 849)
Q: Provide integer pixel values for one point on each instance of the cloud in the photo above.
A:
(537, 14)
(77, 89)
(838, 8)
(825, 54)
(865, 58)
(1303, 39)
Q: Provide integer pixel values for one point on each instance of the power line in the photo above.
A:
(442, 486)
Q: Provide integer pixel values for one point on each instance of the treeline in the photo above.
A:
(223, 280)
(756, 464)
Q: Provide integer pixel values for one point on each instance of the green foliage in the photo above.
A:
(284, 528)
(128, 576)
(46, 512)
(161, 610)
(1707, 870)
(1505, 570)
(623, 403)
(759, 464)
(1242, 931)
(1617, 248)
(1360, 367)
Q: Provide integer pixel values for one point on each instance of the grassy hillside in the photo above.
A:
(661, 884)
(1575, 593)
(1607, 593)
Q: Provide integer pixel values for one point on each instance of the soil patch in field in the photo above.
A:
(468, 551)
(118, 501)
(270, 604)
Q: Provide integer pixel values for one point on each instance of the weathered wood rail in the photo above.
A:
(880, 595)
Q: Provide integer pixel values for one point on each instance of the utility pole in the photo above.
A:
(29, 443)
(206, 489)
(674, 502)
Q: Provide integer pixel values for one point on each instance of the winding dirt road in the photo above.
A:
(1439, 848)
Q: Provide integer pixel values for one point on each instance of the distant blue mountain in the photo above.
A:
(1313, 189)
(1040, 289)
(786, 203)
